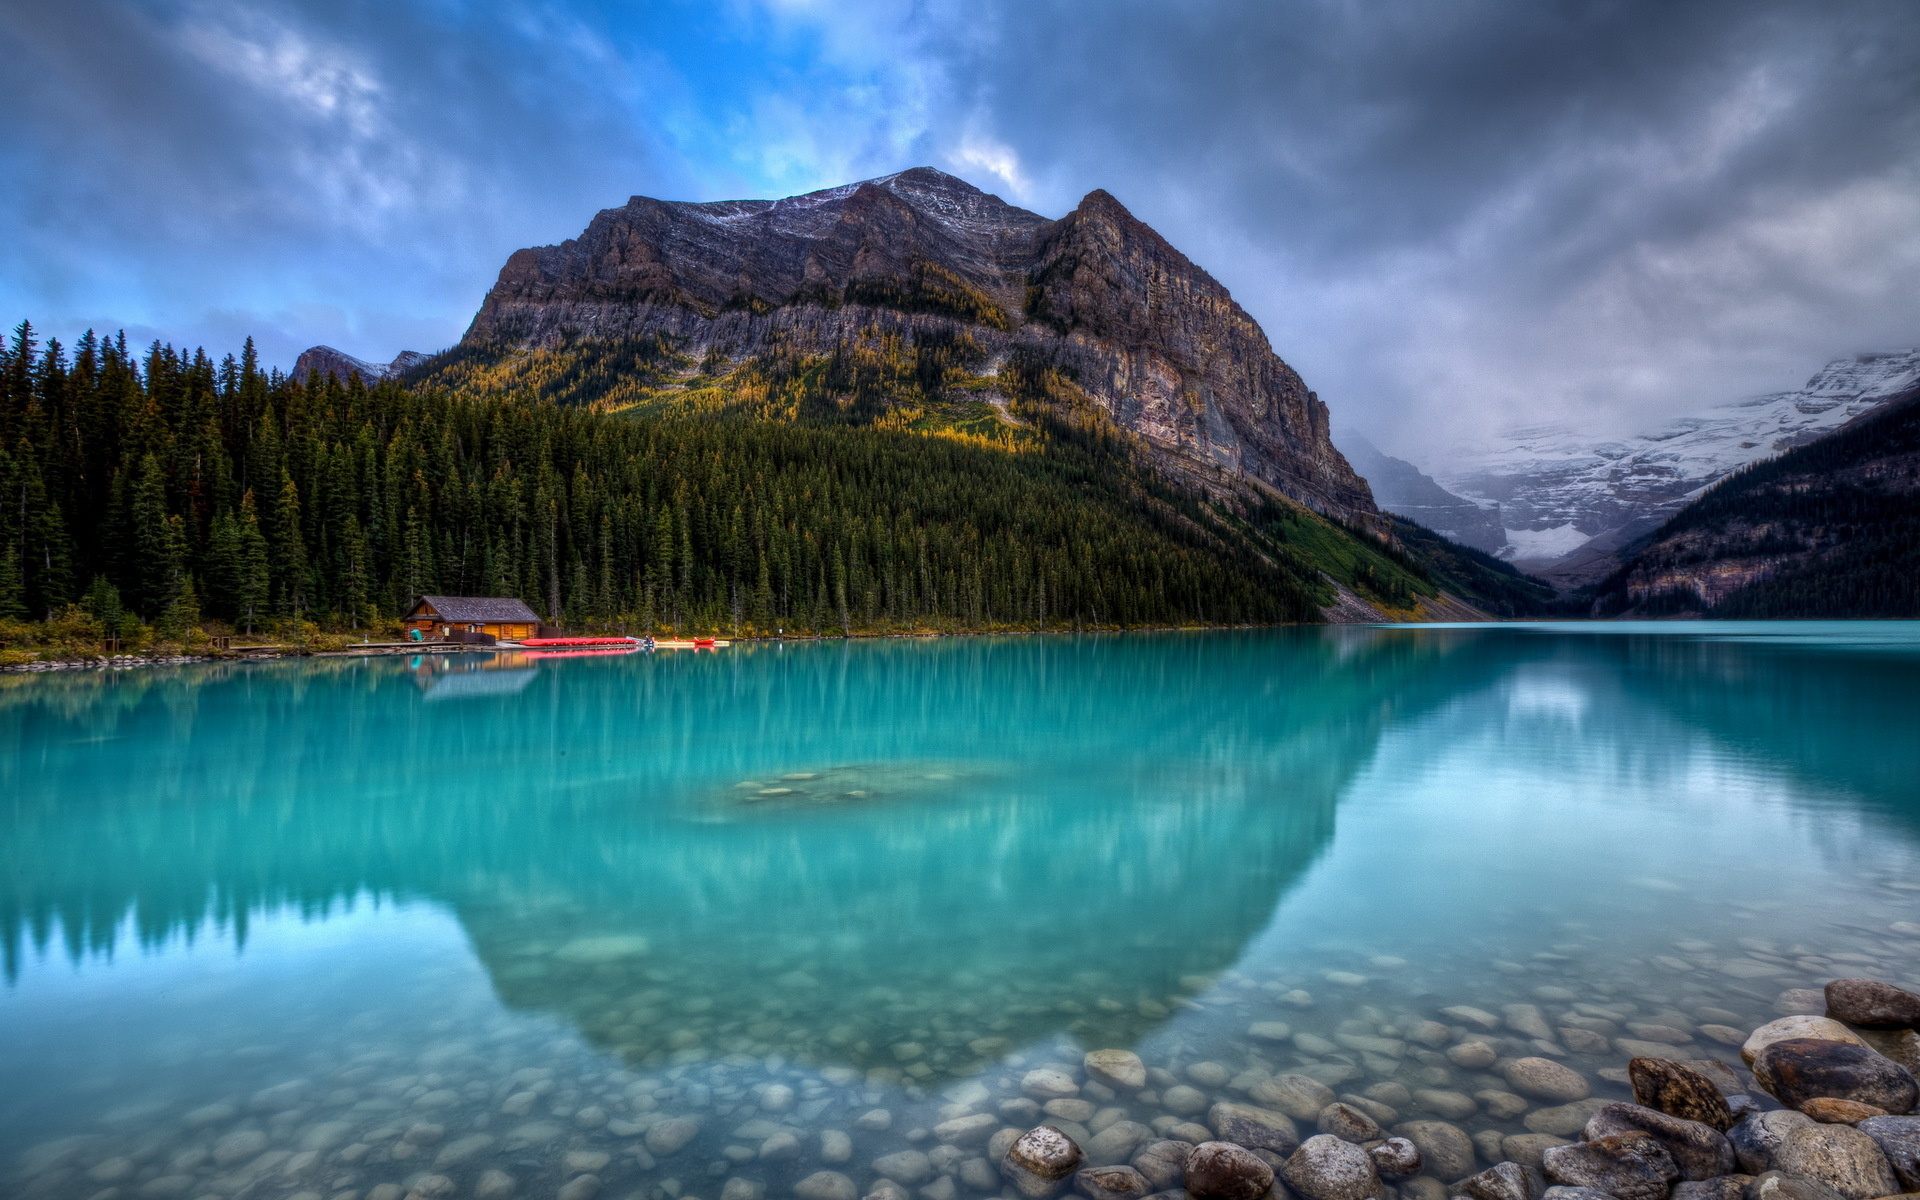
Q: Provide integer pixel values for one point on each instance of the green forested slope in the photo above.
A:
(198, 489)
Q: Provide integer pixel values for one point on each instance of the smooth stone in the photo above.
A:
(971, 1130)
(1327, 1168)
(1421, 1187)
(1474, 1056)
(440, 1187)
(1547, 1080)
(1584, 1041)
(1840, 1156)
(1526, 1148)
(825, 1185)
(1665, 1035)
(836, 1146)
(905, 1166)
(1116, 1143)
(1116, 1068)
(1047, 1084)
(1001, 1142)
(1254, 1128)
(1111, 1183)
(737, 1188)
(1799, 1026)
(1776, 1185)
(672, 1135)
(1503, 1181)
(1209, 1074)
(1756, 1137)
(1270, 1031)
(495, 1185)
(1678, 1090)
(1724, 1187)
(1898, 1139)
(1183, 1101)
(461, 1150)
(886, 1189)
(1830, 1110)
(1630, 1166)
(1222, 1171)
(1563, 1120)
(1428, 1033)
(875, 1120)
(1872, 1004)
(1797, 1069)
(1163, 1163)
(1526, 1019)
(1299, 1096)
(1486, 1145)
(1040, 1161)
(1464, 1014)
(328, 1135)
(781, 1147)
(1449, 1104)
(1189, 1131)
(238, 1145)
(1562, 1192)
(978, 1175)
(1445, 1148)
(1698, 1149)
(1502, 1106)
(1395, 1157)
(1345, 1122)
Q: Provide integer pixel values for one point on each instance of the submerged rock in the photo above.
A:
(1446, 1148)
(826, 1185)
(1345, 1122)
(1111, 1183)
(1222, 1171)
(1299, 1096)
(1327, 1168)
(1678, 1090)
(1872, 1004)
(1164, 1163)
(1039, 1162)
(1631, 1166)
(1795, 1070)
(1395, 1157)
(1547, 1080)
(1254, 1128)
(1116, 1068)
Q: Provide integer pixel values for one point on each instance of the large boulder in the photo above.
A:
(1757, 1136)
(1039, 1162)
(1630, 1166)
(1824, 1028)
(1698, 1149)
(1872, 1004)
(1678, 1090)
(1327, 1168)
(1798, 1069)
(1222, 1171)
(1840, 1156)
(1898, 1139)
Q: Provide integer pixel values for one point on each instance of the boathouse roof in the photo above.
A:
(479, 609)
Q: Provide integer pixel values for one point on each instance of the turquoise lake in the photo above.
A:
(702, 925)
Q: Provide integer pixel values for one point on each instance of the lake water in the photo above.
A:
(705, 924)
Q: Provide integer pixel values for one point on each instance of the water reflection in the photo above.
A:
(1054, 834)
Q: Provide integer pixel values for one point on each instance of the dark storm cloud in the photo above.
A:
(1449, 215)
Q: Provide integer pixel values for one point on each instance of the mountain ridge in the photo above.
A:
(920, 265)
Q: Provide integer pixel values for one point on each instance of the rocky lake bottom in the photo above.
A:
(842, 923)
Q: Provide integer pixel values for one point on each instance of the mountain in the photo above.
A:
(1570, 503)
(912, 301)
(1403, 489)
(344, 366)
(1830, 529)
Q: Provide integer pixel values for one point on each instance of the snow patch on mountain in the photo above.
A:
(1567, 501)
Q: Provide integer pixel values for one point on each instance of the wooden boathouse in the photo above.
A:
(507, 619)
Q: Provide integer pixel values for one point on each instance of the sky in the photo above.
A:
(1451, 218)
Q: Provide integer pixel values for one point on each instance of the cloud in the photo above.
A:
(1448, 217)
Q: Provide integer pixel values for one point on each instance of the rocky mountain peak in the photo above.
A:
(344, 366)
(922, 259)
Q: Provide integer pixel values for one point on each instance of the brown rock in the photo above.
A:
(1678, 1090)
(1798, 1069)
(1872, 1004)
(1830, 1110)
(1111, 1183)
(1039, 1162)
(1221, 1171)
(1795, 1027)
(1630, 1166)
(1698, 1149)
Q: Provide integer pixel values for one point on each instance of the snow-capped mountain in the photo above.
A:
(1568, 502)
(1404, 490)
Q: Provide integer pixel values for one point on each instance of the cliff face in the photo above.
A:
(923, 258)
(344, 366)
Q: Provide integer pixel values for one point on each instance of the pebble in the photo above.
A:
(874, 1120)
(1445, 1148)
(1546, 1079)
(1163, 1163)
(1831, 1111)
(1047, 1084)
(825, 1185)
(581, 1187)
(1474, 1056)
(835, 1146)
(1253, 1127)
(1223, 1171)
(1116, 1143)
(977, 1128)
(1449, 1104)
(1328, 1168)
(1395, 1157)
(908, 1166)
(1116, 1068)
(670, 1136)
(1840, 1156)
(1526, 1148)
(1630, 1166)
(1299, 1096)
(738, 1188)
(1270, 1031)
(1111, 1183)
(1185, 1101)
(1343, 1121)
